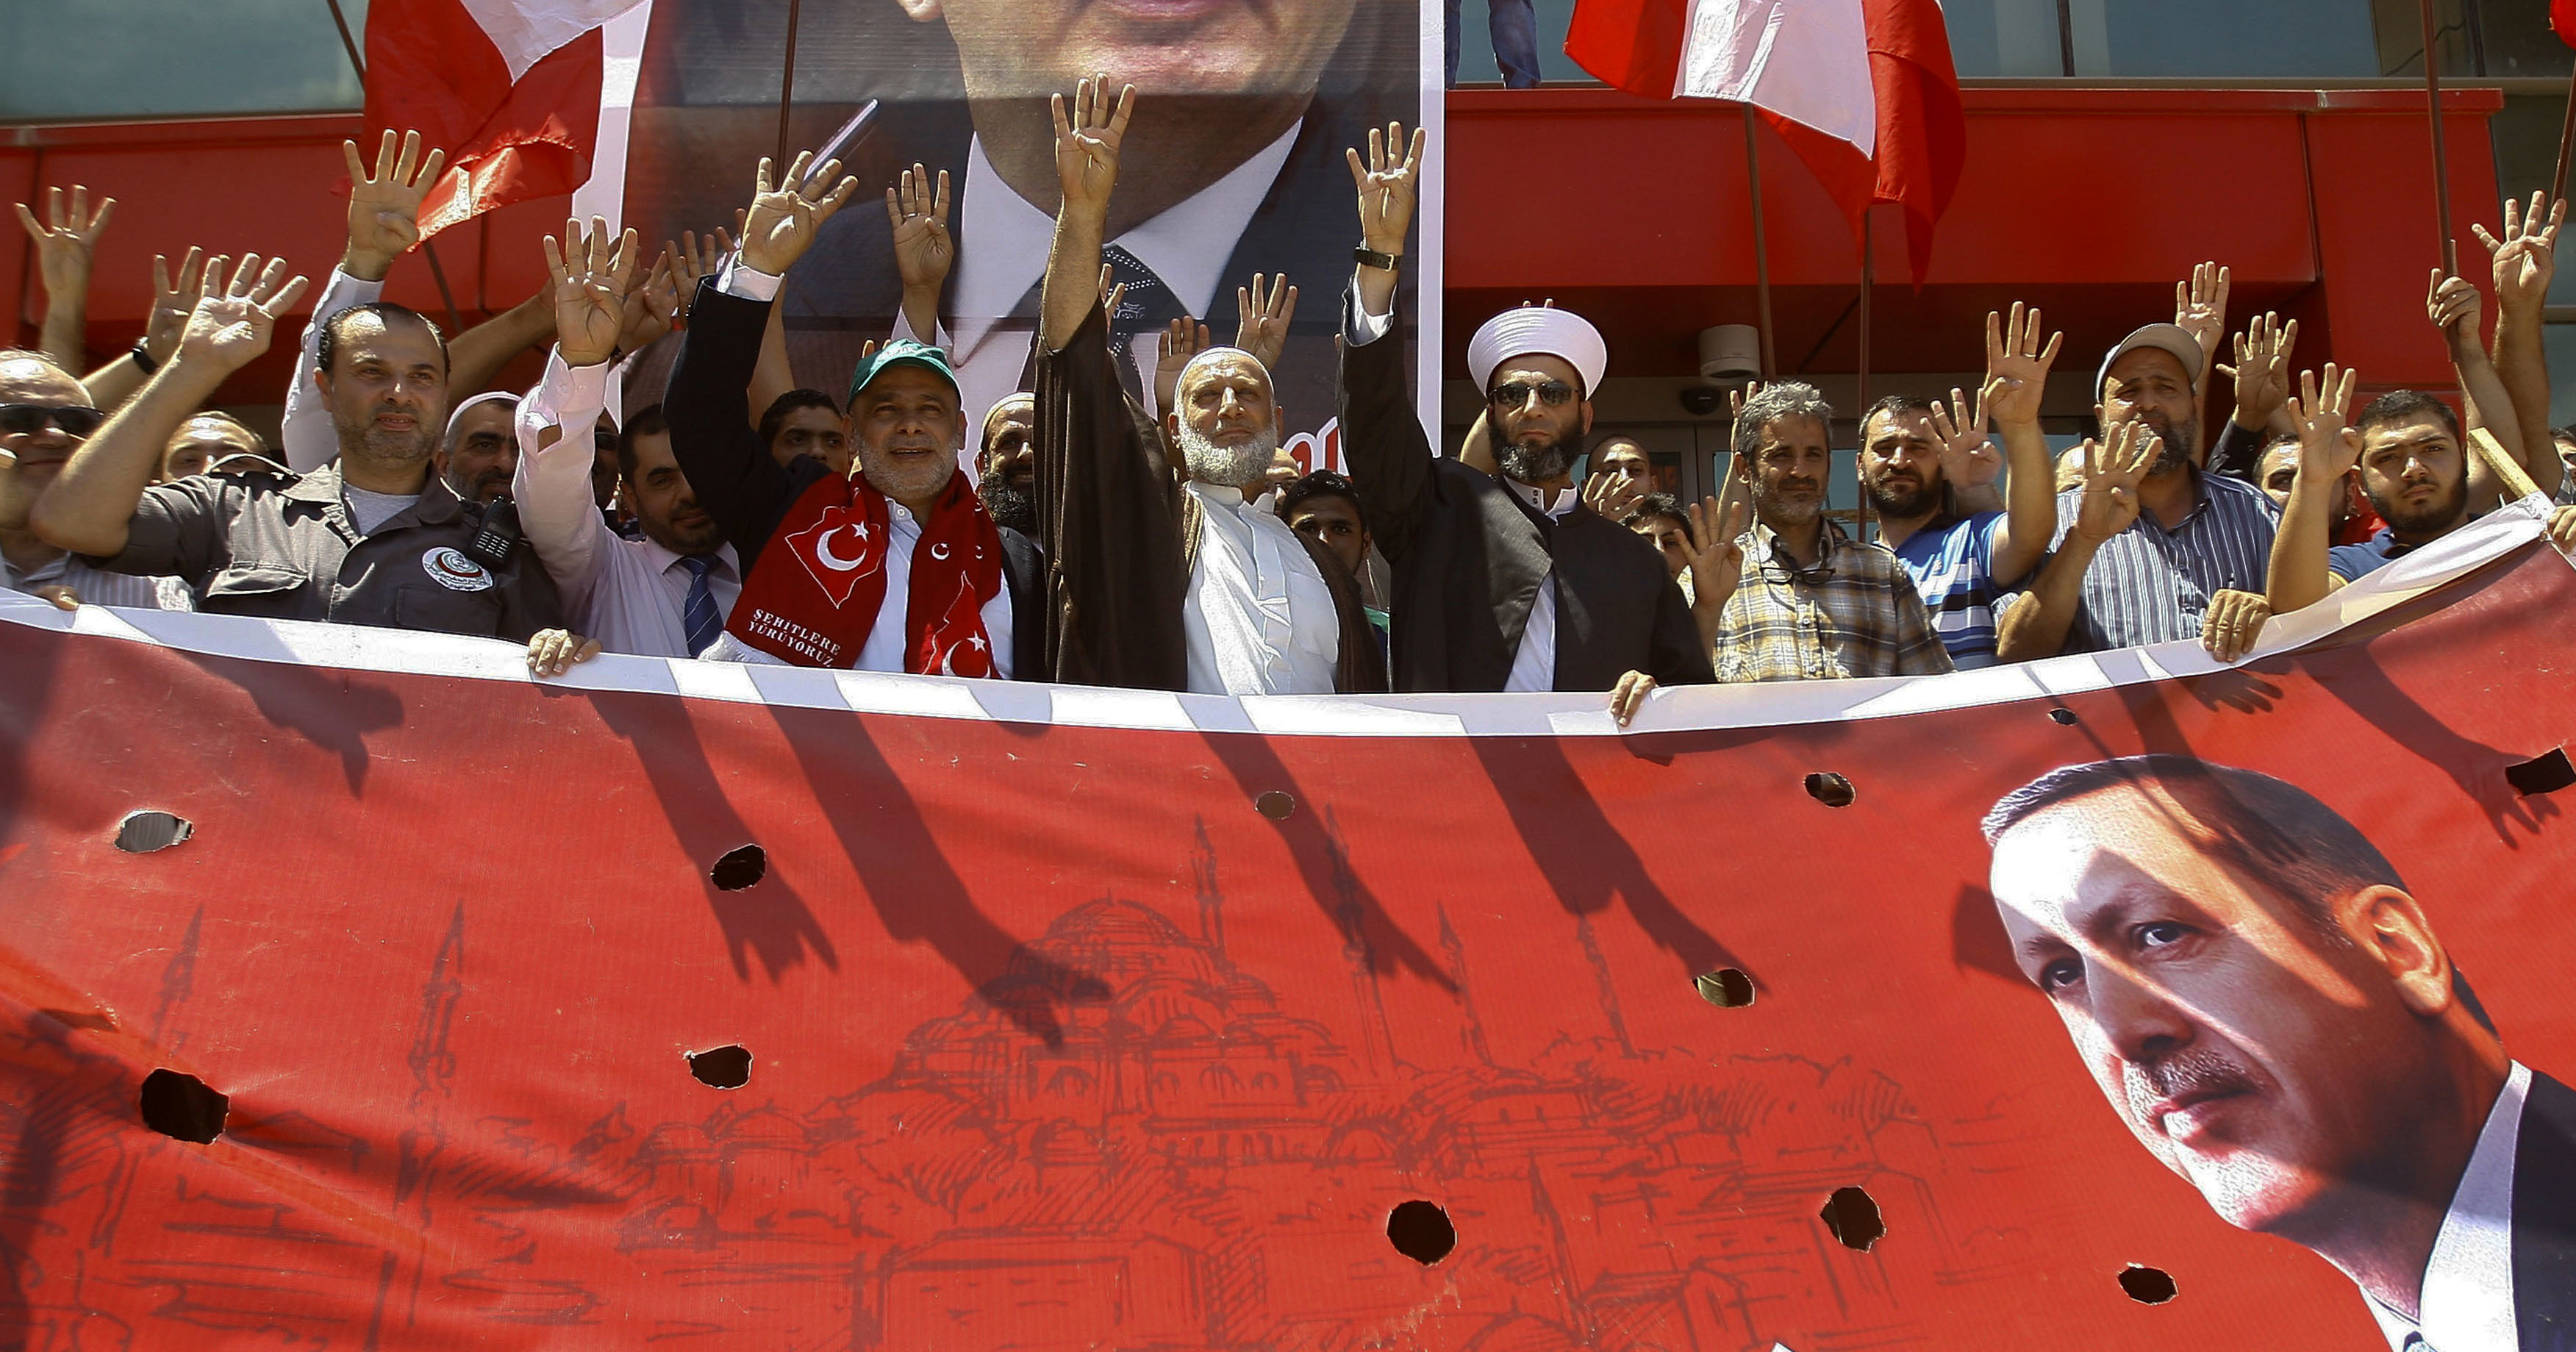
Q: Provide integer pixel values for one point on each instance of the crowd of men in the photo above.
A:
(1089, 529)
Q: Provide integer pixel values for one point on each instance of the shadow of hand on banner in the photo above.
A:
(1323, 863)
(766, 920)
(917, 894)
(334, 710)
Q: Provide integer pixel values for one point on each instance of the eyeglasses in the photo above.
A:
(1553, 393)
(25, 420)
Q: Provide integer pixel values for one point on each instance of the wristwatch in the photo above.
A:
(1370, 258)
(142, 355)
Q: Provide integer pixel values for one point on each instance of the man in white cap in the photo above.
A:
(481, 450)
(1505, 583)
(1156, 583)
(2151, 550)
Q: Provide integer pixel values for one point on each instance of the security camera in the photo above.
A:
(1700, 401)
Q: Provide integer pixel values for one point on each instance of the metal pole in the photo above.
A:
(2566, 141)
(1761, 243)
(2441, 159)
(348, 43)
(1868, 277)
(787, 84)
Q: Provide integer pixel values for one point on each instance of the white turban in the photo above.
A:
(1539, 330)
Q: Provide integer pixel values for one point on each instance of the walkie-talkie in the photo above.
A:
(498, 536)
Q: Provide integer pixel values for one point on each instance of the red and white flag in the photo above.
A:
(509, 88)
(1862, 90)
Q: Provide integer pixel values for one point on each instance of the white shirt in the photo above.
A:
(97, 587)
(305, 436)
(1002, 247)
(369, 509)
(884, 649)
(1534, 662)
(1259, 619)
(630, 595)
(2467, 1303)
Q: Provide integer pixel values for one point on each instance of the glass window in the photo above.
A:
(2516, 39)
(2223, 38)
(2558, 341)
(2004, 37)
(81, 60)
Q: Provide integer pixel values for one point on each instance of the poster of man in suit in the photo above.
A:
(2274, 1016)
(1234, 166)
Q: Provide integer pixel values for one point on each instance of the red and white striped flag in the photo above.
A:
(509, 88)
(1862, 90)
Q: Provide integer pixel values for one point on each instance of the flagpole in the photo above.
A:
(2441, 159)
(455, 320)
(2566, 142)
(1761, 242)
(1868, 275)
(787, 83)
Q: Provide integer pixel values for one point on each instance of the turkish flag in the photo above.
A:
(1862, 90)
(2562, 20)
(509, 88)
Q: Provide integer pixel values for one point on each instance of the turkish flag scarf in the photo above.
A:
(813, 597)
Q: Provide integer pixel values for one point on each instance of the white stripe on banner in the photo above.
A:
(1682, 709)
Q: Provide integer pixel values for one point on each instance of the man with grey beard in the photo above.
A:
(1006, 467)
(2154, 552)
(1155, 582)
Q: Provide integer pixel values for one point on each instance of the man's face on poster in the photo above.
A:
(1019, 49)
(2257, 1056)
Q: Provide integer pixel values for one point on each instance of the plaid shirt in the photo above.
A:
(1856, 613)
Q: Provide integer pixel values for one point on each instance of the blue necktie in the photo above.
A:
(698, 612)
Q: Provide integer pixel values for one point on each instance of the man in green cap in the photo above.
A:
(897, 568)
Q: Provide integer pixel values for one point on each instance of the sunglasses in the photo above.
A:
(1553, 393)
(25, 420)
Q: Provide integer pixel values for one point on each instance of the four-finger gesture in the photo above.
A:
(1610, 498)
(2328, 448)
(2453, 306)
(1968, 458)
(1087, 140)
(1388, 181)
(2525, 258)
(1715, 552)
(233, 320)
(1179, 341)
(2200, 308)
(384, 207)
(652, 305)
(2113, 469)
(2016, 366)
(2262, 369)
(923, 248)
(1261, 321)
(691, 258)
(173, 297)
(590, 275)
(786, 215)
(66, 239)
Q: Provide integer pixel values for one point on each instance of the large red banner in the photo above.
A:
(1083, 1019)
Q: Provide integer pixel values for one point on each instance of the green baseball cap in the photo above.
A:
(902, 352)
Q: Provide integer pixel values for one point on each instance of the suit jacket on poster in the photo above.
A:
(730, 469)
(845, 290)
(2544, 1219)
(1469, 556)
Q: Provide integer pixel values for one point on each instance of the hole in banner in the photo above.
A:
(721, 1067)
(182, 1108)
(2062, 717)
(1726, 988)
(1275, 805)
(2146, 1285)
(2541, 774)
(740, 868)
(144, 832)
(1830, 789)
(1853, 1218)
(1421, 1231)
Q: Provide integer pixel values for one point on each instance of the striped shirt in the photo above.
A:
(1856, 613)
(1954, 568)
(2152, 585)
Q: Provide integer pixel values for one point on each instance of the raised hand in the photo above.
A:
(2525, 259)
(1715, 552)
(65, 241)
(690, 259)
(1261, 321)
(384, 207)
(2113, 469)
(2016, 366)
(1087, 141)
(172, 299)
(1388, 182)
(785, 216)
(923, 248)
(651, 307)
(1611, 499)
(2453, 306)
(1968, 458)
(590, 290)
(1179, 341)
(2328, 448)
(2200, 307)
(233, 320)
(2262, 369)
(1112, 292)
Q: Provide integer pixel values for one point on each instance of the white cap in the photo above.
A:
(486, 397)
(1539, 330)
(2171, 338)
(1209, 356)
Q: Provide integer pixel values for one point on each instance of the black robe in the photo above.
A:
(1121, 536)
(708, 406)
(1469, 556)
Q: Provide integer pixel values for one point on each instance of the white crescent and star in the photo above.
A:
(823, 550)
